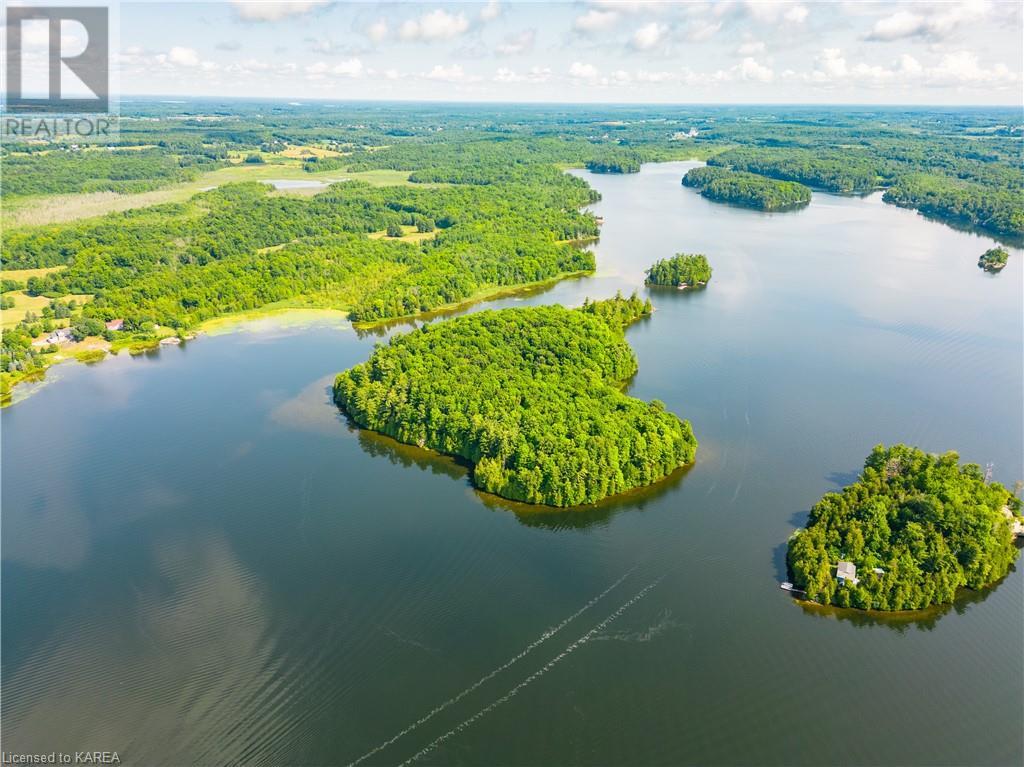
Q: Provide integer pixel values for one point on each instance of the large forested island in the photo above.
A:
(531, 397)
(683, 270)
(747, 189)
(911, 531)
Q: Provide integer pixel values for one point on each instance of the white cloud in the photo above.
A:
(452, 73)
(964, 68)
(533, 75)
(648, 36)
(749, 69)
(349, 68)
(645, 76)
(377, 31)
(776, 11)
(633, 6)
(435, 25)
(256, 10)
(513, 45)
(183, 57)
(699, 31)
(934, 21)
(595, 21)
(490, 11)
(583, 71)
(751, 48)
(959, 69)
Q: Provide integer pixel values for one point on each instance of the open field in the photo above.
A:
(24, 303)
(298, 152)
(36, 211)
(23, 274)
(411, 235)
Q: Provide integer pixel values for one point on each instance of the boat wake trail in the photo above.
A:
(487, 677)
(569, 649)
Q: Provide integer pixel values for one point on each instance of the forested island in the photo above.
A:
(623, 163)
(532, 397)
(911, 531)
(994, 259)
(747, 189)
(683, 270)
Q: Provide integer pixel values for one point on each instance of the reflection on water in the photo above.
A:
(190, 653)
(582, 517)
(922, 620)
(532, 515)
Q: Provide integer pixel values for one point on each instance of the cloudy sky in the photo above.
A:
(599, 51)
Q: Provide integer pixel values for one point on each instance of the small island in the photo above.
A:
(682, 271)
(748, 190)
(994, 259)
(911, 531)
(532, 397)
(614, 164)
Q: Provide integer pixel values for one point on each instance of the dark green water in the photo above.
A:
(203, 564)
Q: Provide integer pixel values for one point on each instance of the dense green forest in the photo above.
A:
(994, 259)
(532, 397)
(65, 171)
(916, 526)
(747, 189)
(682, 269)
(501, 211)
(623, 163)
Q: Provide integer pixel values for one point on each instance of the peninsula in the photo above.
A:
(749, 190)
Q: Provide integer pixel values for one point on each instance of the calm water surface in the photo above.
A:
(202, 562)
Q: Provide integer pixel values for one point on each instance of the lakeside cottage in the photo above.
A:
(59, 336)
(846, 572)
(115, 324)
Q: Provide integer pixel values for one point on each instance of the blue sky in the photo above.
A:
(686, 52)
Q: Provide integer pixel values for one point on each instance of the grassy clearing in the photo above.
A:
(36, 211)
(299, 152)
(21, 275)
(410, 235)
(24, 303)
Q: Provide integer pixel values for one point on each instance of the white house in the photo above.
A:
(846, 572)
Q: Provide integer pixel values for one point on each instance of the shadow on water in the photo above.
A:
(798, 520)
(582, 517)
(843, 478)
(901, 622)
(531, 515)
(408, 456)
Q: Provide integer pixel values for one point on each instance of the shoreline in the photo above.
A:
(232, 322)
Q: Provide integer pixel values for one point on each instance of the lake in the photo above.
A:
(203, 562)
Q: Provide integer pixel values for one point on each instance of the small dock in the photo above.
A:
(787, 586)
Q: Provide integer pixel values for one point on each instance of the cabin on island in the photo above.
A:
(846, 572)
(115, 324)
(1016, 523)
